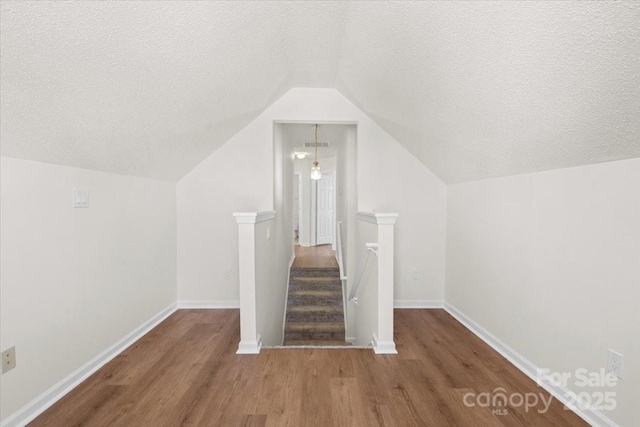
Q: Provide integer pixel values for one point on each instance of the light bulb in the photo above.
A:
(315, 171)
(300, 155)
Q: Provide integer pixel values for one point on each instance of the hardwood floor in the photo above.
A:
(185, 373)
(315, 257)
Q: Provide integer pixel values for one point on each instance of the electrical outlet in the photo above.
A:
(227, 274)
(615, 363)
(415, 274)
(8, 359)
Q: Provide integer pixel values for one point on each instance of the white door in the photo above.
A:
(324, 209)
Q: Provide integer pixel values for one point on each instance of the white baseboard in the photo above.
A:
(592, 416)
(208, 304)
(37, 406)
(383, 347)
(351, 340)
(402, 303)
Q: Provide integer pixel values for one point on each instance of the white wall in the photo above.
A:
(75, 281)
(346, 209)
(303, 167)
(239, 177)
(364, 315)
(549, 263)
(271, 282)
(274, 255)
(342, 188)
(390, 179)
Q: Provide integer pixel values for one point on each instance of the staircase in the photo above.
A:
(314, 308)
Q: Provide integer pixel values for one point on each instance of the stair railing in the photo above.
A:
(368, 249)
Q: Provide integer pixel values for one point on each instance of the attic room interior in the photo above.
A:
(320, 213)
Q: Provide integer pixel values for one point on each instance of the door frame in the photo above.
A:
(313, 213)
(297, 181)
(314, 209)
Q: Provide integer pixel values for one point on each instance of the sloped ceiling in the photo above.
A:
(472, 89)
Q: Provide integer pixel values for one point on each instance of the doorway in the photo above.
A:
(314, 208)
(325, 209)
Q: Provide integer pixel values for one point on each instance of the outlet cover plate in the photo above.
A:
(615, 363)
(8, 359)
(80, 198)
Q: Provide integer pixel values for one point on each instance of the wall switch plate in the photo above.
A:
(227, 274)
(80, 198)
(615, 363)
(268, 233)
(8, 359)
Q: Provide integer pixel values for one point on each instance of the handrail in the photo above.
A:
(369, 247)
(339, 250)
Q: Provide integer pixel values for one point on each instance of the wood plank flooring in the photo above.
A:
(315, 257)
(185, 373)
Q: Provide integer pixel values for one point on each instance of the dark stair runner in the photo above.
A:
(314, 308)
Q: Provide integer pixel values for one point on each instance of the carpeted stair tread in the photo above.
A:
(315, 309)
(314, 327)
(322, 293)
(315, 342)
(314, 279)
(314, 335)
(314, 285)
(315, 272)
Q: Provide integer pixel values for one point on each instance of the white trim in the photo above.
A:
(378, 218)
(315, 121)
(592, 416)
(286, 294)
(41, 403)
(313, 214)
(250, 347)
(319, 347)
(254, 217)
(213, 304)
(351, 340)
(383, 347)
(409, 303)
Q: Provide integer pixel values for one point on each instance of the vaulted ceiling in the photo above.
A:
(473, 89)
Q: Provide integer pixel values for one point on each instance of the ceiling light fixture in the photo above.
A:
(301, 155)
(315, 169)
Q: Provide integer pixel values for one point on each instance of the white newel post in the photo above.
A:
(249, 338)
(386, 223)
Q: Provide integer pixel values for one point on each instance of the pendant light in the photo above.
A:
(315, 169)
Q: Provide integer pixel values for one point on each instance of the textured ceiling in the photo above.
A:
(472, 89)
